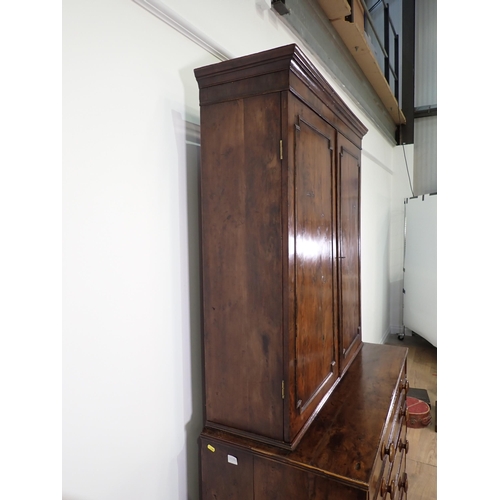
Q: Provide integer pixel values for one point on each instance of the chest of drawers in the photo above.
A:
(354, 450)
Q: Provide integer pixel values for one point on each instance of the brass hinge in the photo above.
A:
(282, 389)
(281, 149)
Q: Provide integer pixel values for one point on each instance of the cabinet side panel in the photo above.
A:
(226, 472)
(284, 482)
(349, 275)
(242, 271)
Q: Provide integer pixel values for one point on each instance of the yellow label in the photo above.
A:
(211, 448)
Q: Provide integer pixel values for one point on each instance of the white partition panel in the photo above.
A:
(420, 267)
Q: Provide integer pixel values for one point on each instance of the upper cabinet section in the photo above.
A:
(280, 161)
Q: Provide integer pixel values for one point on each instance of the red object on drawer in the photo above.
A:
(419, 413)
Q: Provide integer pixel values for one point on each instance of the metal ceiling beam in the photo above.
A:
(425, 111)
(407, 131)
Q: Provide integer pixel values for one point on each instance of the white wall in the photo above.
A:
(402, 188)
(131, 355)
(384, 186)
(131, 328)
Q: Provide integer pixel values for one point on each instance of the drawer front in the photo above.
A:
(394, 484)
(390, 439)
(389, 454)
(402, 480)
(397, 416)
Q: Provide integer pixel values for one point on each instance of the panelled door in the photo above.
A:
(312, 228)
(348, 182)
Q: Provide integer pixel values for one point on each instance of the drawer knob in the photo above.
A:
(388, 488)
(405, 385)
(403, 482)
(388, 450)
(404, 446)
(404, 412)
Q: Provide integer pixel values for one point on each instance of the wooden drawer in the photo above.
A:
(388, 448)
(390, 439)
(389, 486)
(402, 480)
(394, 484)
(403, 484)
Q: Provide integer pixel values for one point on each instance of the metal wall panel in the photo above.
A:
(425, 52)
(425, 138)
(425, 156)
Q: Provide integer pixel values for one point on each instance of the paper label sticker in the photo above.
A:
(232, 460)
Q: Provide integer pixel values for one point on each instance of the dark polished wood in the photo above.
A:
(313, 316)
(339, 458)
(314, 278)
(421, 463)
(349, 259)
(281, 69)
(242, 270)
(280, 157)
